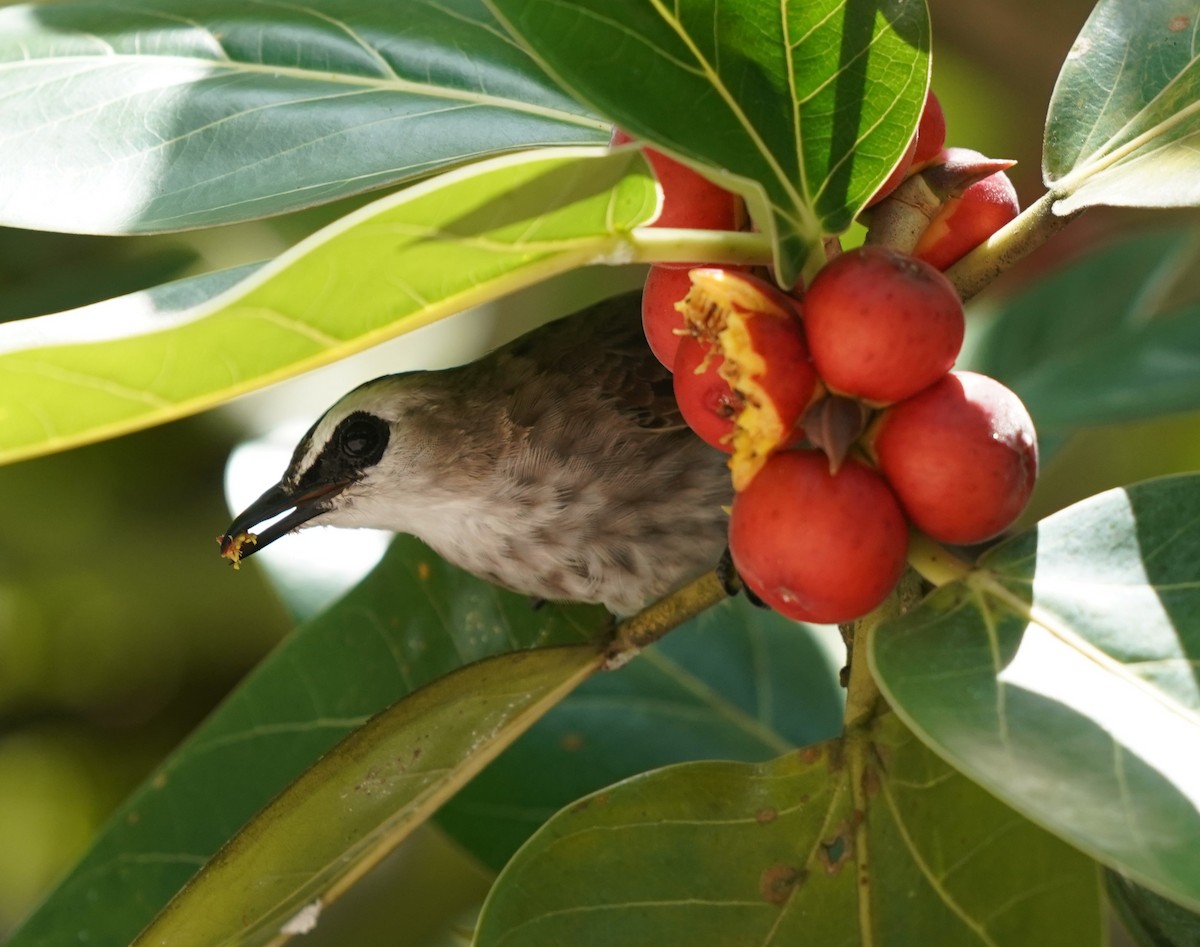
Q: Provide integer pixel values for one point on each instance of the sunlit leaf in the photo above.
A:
(1062, 677)
(364, 797)
(735, 683)
(164, 114)
(397, 264)
(809, 848)
(1103, 340)
(411, 621)
(1124, 121)
(814, 101)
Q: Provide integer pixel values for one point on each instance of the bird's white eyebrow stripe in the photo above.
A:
(302, 450)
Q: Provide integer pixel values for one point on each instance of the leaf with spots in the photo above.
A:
(360, 800)
(1061, 674)
(873, 841)
(392, 266)
(805, 107)
(736, 683)
(153, 115)
(1124, 123)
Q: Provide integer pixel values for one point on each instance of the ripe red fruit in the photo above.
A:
(689, 198)
(705, 399)
(758, 331)
(961, 456)
(881, 326)
(931, 132)
(661, 321)
(964, 222)
(814, 546)
(666, 285)
(899, 173)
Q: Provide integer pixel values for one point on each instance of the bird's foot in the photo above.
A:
(727, 575)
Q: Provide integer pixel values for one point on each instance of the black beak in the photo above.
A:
(239, 542)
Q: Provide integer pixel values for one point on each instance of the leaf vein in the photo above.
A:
(935, 882)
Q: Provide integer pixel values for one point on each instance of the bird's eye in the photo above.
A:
(363, 437)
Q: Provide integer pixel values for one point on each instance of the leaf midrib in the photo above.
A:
(1099, 162)
(990, 586)
(379, 84)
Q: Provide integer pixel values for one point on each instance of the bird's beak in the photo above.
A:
(239, 542)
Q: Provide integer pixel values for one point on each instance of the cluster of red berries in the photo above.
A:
(837, 402)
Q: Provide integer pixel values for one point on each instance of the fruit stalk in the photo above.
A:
(933, 562)
(1015, 240)
(864, 701)
(683, 245)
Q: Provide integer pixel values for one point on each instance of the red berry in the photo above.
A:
(758, 331)
(662, 322)
(964, 222)
(705, 399)
(816, 546)
(899, 173)
(931, 132)
(666, 285)
(881, 326)
(689, 198)
(961, 456)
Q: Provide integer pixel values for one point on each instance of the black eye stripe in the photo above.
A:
(356, 444)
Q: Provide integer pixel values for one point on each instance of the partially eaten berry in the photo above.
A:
(765, 360)
(666, 284)
(706, 401)
(661, 321)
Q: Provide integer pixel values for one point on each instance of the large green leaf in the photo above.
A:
(51, 272)
(414, 619)
(735, 683)
(363, 798)
(1108, 338)
(155, 115)
(399, 263)
(877, 841)
(1062, 675)
(1124, 121)
(814, 101)
(1153, 921)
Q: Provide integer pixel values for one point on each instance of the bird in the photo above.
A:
(558, 466)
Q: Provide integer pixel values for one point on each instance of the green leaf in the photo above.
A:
(737, 682)
(1124, 121)
(814, 102)
(1103, 340)
(159, 115)
(808, 848)
(363, 798)
(50, 272)
(1062, 676)
(1153, 921)
(413, 620)
(393, 266)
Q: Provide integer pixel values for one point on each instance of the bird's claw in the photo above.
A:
(732, 583)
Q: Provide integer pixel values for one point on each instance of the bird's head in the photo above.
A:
(351, 459)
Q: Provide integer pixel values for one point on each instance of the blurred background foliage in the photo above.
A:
(119, 625)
